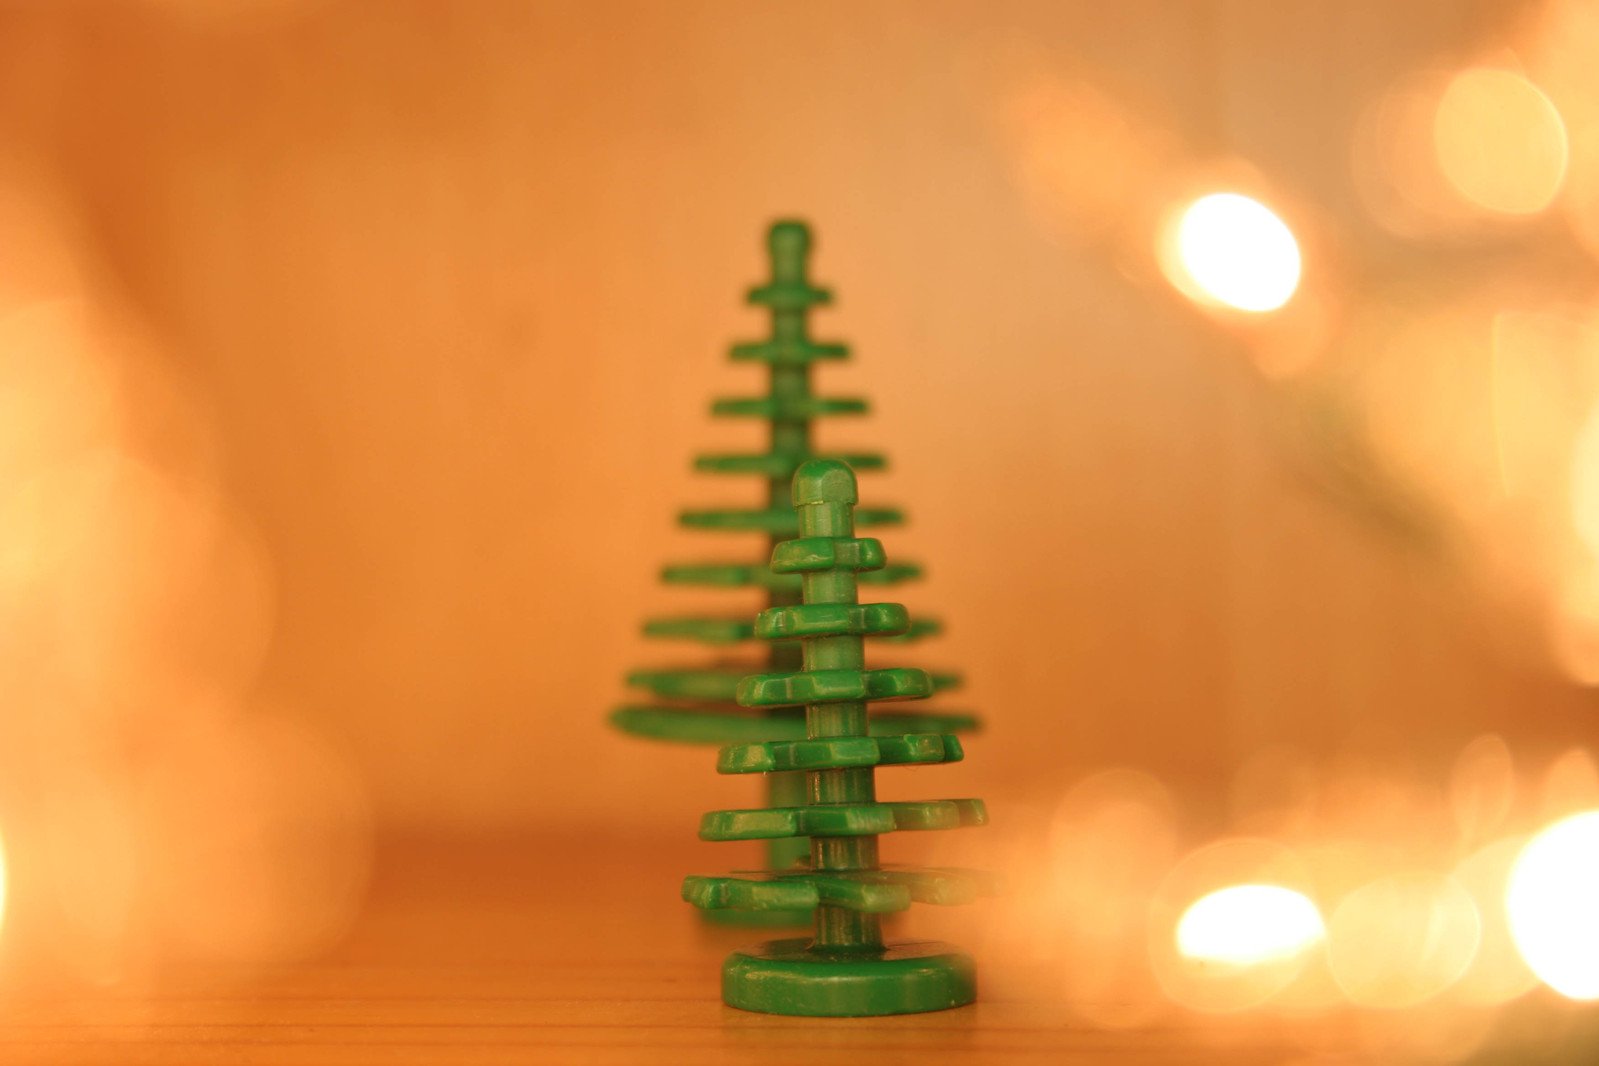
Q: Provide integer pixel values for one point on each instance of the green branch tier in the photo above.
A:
(695, 703)
(846, 968)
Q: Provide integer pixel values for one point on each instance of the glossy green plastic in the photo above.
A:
(740, 575)
(696, 699)
(885, 889)
(794, 977)
(777, 755)
(730, 724)
(846, 969)
(721, 683)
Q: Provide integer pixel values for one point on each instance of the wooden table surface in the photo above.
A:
(539, 950)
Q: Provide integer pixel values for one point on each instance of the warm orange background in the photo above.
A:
(451, 285)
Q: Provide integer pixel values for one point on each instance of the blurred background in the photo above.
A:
(1237, 362)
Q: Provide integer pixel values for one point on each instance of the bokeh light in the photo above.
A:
(4, 880)
(1087, 163)
(1401, 940)
(1585, 483)
(1121, 824)
(175, 819)
(1226, 249)
(1249, 924)
(1570, 785)
(1553, 903)
(1556, 49)
(1470, 405)
(1573, 624)
(1232, 925)
(1394, 166)
(1574, 608)
(86, 852)
(1482, 787)
(1500, 142)
(1498, 974)
(1452, 152)
(257, 835)
(56, 386)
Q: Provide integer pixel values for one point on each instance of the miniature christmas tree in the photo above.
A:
(701, 707)
(846, 969)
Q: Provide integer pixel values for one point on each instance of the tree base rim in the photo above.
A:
(793, 977)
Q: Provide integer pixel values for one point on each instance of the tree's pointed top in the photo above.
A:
(789, 243)
(824, 481)
(789, 234)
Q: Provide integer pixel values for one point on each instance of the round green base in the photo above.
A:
(788, 977)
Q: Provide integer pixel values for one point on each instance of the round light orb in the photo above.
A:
(1500, 142)
(1232, 251)
(1553, 904)
(1249, 924)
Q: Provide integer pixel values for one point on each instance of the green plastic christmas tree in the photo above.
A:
(696, 704)
(846, 969)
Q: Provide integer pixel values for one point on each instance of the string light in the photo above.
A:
(1229, 250)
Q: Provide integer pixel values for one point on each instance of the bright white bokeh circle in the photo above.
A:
(1235, 251)
(1249, 924)
(1553, 905)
